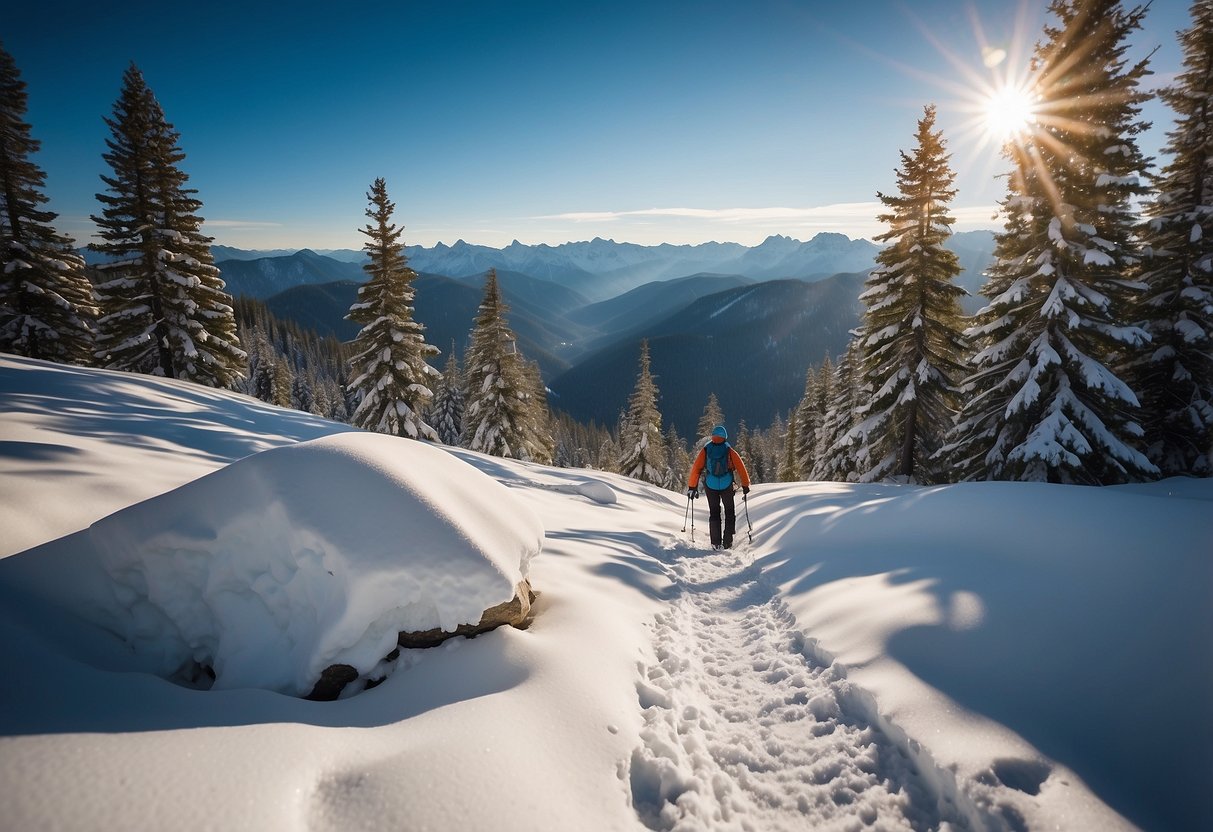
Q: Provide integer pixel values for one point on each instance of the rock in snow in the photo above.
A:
(292, 560)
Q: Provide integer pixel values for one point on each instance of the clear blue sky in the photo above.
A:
(546, 122)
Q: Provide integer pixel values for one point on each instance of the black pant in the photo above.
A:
(715, 498)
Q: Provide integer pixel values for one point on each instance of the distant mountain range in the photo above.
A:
(750, 345)
(598, 269)
(742, 322)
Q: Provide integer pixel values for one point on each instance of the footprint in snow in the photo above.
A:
(743, 730)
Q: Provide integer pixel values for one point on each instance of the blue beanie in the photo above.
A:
(720, 431)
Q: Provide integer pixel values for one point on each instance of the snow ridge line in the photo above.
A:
(749, 725)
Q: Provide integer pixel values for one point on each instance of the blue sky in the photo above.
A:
(544, 122)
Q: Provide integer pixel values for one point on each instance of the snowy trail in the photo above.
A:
(745, 730)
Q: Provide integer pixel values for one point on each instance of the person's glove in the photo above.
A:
(693, 493)
(745, 489)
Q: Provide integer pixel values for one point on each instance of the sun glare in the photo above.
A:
(1010, 111)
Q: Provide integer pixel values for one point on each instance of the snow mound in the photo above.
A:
(596, 491)
(300, 557)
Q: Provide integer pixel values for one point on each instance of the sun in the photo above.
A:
(1010, 111)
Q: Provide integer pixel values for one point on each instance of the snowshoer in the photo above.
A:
(721, 467)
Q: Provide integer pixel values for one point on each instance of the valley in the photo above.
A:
(742, 322)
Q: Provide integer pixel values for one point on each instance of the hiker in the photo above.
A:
(717, 462)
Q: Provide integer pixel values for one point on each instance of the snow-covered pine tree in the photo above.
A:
(278, 347)
(679, 459)
(47, 309)
(538, 439)
(1043, 403)
(1175, 377)
(806, 424)
(163, 306)
(303, 396)
(641, 444)
(912, 331)
(744, 444)
(446, 411)
(836, 457)
(391, 376)
(768, 448)
(712, 416)
(495, 387)
(819, 407)
(789, 468)
(608, 454)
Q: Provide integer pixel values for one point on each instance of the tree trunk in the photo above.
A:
(905, 466)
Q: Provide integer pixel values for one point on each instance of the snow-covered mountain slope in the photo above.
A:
(749, 344)
(988, 656)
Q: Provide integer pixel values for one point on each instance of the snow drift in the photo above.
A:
(296, 558)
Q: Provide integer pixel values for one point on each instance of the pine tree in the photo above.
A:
(539, 444)
(1175, 378)
(47, 309)
(1044, 404)
(305, 361)
(391, 376)
(302, 395)
(836, 460)
(678, 457)
(642, 447)
(712, 416)
(912, 329)
(744, 445)
(281, 384)
(495, 386)
(446, 412)
(770, 449)
(819, 407)
(807, 424)
(163, 306)
(789, 468)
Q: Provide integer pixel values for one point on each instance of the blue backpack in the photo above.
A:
(718, 475)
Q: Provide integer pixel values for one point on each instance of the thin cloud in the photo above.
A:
(983, 215)
(841, 211)
(241, 224)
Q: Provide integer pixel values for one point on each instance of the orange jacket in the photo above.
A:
(735, 465)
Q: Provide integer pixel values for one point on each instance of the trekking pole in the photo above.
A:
(688, 514)
(745, 502)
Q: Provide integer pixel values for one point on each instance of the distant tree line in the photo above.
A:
(291, 366)
(1091, 362)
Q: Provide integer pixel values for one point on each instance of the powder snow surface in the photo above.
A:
(988, 656)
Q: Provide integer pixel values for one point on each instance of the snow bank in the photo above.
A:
(296, 558)
(984, 615)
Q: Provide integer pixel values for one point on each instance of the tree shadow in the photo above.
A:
(154, 415)
(633, 562)
(1053, 624)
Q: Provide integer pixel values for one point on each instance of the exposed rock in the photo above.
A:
(516, 612)
(332, 681)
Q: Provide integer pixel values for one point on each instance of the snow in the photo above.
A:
(285, 562)
(984, 655)
(732, 303)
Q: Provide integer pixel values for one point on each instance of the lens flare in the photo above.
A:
(1009, 112)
